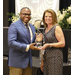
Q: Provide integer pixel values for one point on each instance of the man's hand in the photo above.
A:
(34, 47)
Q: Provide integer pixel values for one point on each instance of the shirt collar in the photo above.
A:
(26, 23)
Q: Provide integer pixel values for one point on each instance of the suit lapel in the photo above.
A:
(24, 30)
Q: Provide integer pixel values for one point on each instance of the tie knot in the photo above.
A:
(26, 25)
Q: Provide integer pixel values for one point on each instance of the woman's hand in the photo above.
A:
(42, 65)
(45, 46)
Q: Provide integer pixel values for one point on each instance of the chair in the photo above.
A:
(37, 23)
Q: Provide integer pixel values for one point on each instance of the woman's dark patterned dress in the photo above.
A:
(53, 57)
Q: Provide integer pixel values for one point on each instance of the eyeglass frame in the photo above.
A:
(26, 14)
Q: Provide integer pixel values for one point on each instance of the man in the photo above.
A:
(21, 36)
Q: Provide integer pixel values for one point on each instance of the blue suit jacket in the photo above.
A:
(18, 40)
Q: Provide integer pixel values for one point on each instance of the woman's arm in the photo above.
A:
(42, 65)
(60, 37)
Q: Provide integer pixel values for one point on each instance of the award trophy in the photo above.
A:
(39, 42)
(39, 38)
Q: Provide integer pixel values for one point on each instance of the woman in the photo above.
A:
(52, 61)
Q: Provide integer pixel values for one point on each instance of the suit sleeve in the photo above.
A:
(12, 39)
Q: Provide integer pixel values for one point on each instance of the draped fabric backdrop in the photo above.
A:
(37, 7)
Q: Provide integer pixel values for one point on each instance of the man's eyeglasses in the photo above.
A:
(26, 14)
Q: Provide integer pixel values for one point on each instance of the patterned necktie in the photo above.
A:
(28, 31)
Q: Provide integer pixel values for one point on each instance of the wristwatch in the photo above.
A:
(50, 45)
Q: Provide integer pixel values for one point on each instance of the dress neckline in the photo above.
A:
(50, 29)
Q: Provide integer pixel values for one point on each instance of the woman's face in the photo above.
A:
(48, 18)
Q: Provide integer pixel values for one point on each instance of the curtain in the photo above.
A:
(12, 6)
(37, 7)
(64, 4)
